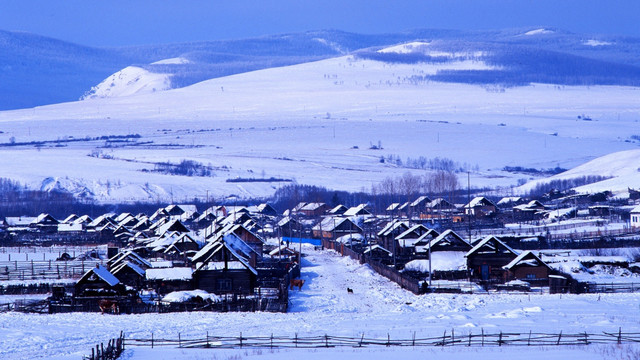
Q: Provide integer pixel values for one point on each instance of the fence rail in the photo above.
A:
(48, 269)
(448, 338)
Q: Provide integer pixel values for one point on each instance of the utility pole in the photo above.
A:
(469, 203)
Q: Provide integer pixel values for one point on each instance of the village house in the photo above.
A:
(487, 258)
(635, 217)
(387, 235)
(226, 265)
(334, 227)
(480, 207)
(99, 282)
(528, 267)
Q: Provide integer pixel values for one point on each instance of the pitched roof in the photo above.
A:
(332, 223)
(127, 264)
(527, 258)
(493, 244)
(393, 206)
(420, 200)
(391, 226)
(357, 210)
(238, 249)
(376, 247)
(449, 236)
(104, 274)
(480, 201)
(230, 240)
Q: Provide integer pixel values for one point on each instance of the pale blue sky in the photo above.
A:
(131, 22)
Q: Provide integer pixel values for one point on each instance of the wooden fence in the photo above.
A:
(114, 348)
(48, 269)
(448, 338)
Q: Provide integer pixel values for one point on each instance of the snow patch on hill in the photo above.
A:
(172, 61)
(425, 48)
(131, 80)
(539, 32)
(593, 42)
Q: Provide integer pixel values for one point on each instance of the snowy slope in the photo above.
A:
(623, 169)
(313, 123)
(131, 80)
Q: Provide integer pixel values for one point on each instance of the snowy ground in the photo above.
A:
(376, 308)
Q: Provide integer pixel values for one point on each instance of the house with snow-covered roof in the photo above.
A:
(635, 217)
(335, 227)
(528, 267)
(487, 258)
(360, 210)
(98, 281)
(226, 265)
(389, 232)
(480, 207)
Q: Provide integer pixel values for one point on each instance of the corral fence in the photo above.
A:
(448, 338)
(26, 306)
(112, 351)
(48, 269)
(611, 287)
(41, 288)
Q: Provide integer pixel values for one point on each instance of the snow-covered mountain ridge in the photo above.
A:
(314, 123)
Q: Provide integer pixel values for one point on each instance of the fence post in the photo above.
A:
(559, 337)
(413, 340)
(240, 340)
(482, 329)
(152, 340)
(500, 339)
(444, 336)
(207, 338)
(326, 340)
(469, 339)
(529, 341)
(271, 341)
(619, 335)
(295, 341)
(179, 341)
(453, 337)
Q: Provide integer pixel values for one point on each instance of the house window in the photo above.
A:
(224, 285)
(531, 276)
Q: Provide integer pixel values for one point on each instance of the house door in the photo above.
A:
(484, 272)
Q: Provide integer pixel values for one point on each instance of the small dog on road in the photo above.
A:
(349, 290)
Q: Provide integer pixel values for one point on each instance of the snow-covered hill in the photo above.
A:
(314, 123)
(131, 80)
(621, 168)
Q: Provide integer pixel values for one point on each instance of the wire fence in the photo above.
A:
(448, 338)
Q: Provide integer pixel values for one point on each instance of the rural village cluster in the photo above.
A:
(248, 258)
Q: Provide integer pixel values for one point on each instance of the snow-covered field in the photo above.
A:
(314, 123)
(376, 308)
